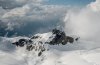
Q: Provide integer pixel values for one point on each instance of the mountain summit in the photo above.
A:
(38, 42)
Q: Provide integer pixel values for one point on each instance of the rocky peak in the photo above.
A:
(38, 41)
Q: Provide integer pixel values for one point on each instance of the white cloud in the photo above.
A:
(85, 22)
(95, 6)
(32, 12)
(21, 11)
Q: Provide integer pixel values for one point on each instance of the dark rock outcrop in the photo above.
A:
(61, 38)
(20, 42)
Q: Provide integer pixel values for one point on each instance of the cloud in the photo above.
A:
(85, 22)
(10, 4)
(21, 11)
(33, 16)
(95, 6)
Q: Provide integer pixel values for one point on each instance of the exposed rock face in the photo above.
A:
(35, 43)
(60, 38)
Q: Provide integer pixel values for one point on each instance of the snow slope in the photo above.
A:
(81, 52)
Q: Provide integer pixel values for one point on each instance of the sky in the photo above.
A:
(70, 2)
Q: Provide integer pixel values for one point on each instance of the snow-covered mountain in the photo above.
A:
(40, 42)
(80, 52)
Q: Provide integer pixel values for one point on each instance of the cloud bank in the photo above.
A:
(26, 17)
(84, 22)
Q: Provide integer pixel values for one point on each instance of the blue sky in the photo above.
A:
(70, 2)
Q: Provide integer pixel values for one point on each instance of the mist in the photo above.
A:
(84, 22)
